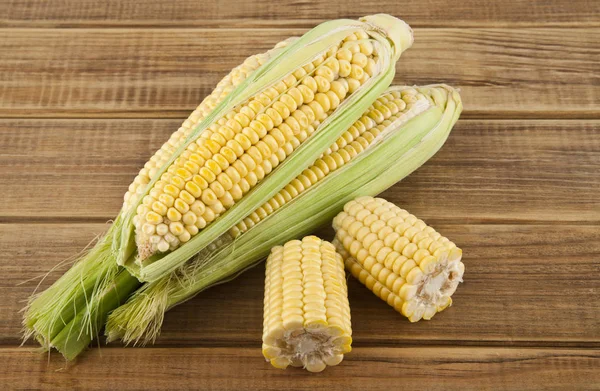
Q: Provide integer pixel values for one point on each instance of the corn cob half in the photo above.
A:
(395, 136)
(306, 310)
(398, 257)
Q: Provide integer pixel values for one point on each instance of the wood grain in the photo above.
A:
(230, 13)
(88, 91)
(160, 73)
(435, 368)
(525, 285)
(488, 171)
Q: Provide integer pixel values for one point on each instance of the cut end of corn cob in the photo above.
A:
(237, 151)
(398, 257)
(306, 310)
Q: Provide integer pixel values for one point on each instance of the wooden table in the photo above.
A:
(89, 89)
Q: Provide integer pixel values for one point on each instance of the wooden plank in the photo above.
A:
(436, 368)
(488, 171)
(230, 13)
(162, 73)
(525, 285)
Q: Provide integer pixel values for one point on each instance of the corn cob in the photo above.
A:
(387, 150)
(235, 153)
(398, 257)
(306, 310)
(70, 313)
(265, 129)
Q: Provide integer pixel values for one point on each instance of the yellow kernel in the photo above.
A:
(208, 174)
(189, 218)
(275, 116)
(200, 181)
(282, 110)
(339, 88)
(307, 93)
(323, 101)
(323, 85)
(359, 59)
(198, 208)
(295, 94)
(166, 199)
(310, 82)
(212, 146)
(356, 72)
(326, 73)
(318, 111)
(289, 102)
(185, 236)
(181, 206)
(259, 129)
(266, 121)
(344, 54)
(229, 154)
(159, 208)
(192, 229)
(171, 190)
(173, 214)
(252, 134)
(193, 189)
(153, 218)
(353, 85)
(243, 141)
(209, 197)
(176, 228)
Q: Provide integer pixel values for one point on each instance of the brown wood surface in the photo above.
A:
(158, 73)
(383, 368)
(505, 300)
(482, 174)
(283, 13)
(88, 90)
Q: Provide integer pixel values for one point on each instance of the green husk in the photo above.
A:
(403, 148)
(71, 312)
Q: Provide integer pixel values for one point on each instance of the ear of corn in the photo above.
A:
(263, 130)
(54, 317)
(401, 131)
(306, 310)
(398, 257)
(68, 315)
